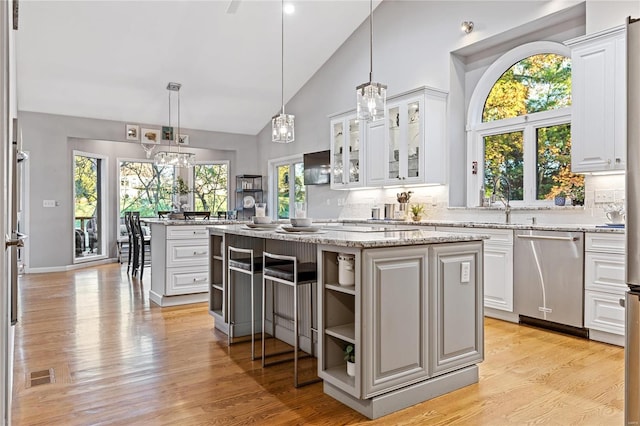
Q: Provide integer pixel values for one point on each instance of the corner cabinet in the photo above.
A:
(346, 152)
(410, 149)
(598, 127)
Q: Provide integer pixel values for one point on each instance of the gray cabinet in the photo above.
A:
(217, 279)
(395, 343)
(456, 311)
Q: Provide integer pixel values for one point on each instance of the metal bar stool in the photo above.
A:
(248, 265)
(286, 270)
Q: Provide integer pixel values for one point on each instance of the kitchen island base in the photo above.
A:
(399, 399)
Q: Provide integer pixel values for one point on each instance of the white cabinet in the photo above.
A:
(498, 267)
(346, 152)
(604, 284)
(180, 264)
(412, 148)
(598, 125)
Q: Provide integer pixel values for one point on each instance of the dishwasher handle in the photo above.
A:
(547, 237)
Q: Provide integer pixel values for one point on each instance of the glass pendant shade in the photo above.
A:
(177, 159)
(371, 101)
(283, 128)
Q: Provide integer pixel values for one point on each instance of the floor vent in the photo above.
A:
(41, 377)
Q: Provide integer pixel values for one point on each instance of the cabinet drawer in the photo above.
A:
(187, 253)
(603, 312)
(187, 280)
(604, 242)
(500, 236)
(185, 232)
(604, 272)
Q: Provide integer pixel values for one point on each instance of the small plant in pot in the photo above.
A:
(350, 357)
(416, 212)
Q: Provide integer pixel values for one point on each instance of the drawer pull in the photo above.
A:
(199, 253)
(195, 280)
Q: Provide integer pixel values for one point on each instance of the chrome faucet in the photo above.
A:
(504, 197)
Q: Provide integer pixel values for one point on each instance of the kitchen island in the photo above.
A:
(414, 313)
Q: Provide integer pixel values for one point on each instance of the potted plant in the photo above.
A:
(559, 199)
(577, 196)
(416, 212)
(350, 357)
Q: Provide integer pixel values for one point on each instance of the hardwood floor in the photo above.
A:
(118, 359)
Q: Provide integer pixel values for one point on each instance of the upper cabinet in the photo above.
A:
(346, 152)
(409, 147)
(599, 102)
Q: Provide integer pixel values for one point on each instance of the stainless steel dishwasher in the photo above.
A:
(548, 279)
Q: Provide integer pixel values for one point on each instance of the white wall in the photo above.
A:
(50, 141)
(413, 43)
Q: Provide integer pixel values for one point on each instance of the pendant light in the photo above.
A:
(282, 125)
(371, 97)
(174, 158)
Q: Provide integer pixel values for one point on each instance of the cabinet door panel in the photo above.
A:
(603, 312)
(187, 280)
(375, 154)
(604, 272)
(395, 307)
(456, 318)
(187, 253)
(498, 277)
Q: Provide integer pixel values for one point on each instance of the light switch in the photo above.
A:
(48, 203)
(465, 272)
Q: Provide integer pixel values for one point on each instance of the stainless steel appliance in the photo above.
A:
(632, 299)
(548, 284)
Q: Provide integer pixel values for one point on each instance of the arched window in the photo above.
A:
(520, 128)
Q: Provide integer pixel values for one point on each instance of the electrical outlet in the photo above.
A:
(48, 203)
(604, 195)
(465, 272)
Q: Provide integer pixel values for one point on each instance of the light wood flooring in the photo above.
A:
(119, 359)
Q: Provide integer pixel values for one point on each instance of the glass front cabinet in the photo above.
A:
(346, 152)
(410, 144)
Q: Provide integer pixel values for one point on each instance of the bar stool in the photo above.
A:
(248, 265)
(286, 270)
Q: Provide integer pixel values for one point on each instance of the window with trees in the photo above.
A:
(210, 183)
(289, 183)
(523, 136)
(146, 187)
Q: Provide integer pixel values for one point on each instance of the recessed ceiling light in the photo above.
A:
(289, 8)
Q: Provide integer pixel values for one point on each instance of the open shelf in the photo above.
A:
(346, 332)
(339, 373)
(348, 289)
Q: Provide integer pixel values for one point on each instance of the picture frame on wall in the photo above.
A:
(167, 133)
(150, 136)
(183, 140)
(133, 132)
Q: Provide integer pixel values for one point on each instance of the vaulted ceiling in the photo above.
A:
(113, 59)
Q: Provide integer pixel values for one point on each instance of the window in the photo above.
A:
(88, 235)
(145, 187)
(288, 178)
(521, 128)
(210, 183)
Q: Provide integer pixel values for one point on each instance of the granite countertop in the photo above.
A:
(383, 238)
(569, 227)
(171, 222)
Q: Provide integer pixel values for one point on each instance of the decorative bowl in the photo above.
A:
(261, 220)
(301, 221)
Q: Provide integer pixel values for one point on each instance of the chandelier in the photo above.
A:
(170, 157)
(371, 97)
(282, 125)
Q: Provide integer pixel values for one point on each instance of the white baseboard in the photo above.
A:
(66, 268)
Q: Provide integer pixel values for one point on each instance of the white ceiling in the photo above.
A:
(113, 59)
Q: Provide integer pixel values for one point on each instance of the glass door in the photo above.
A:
(88, 230)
